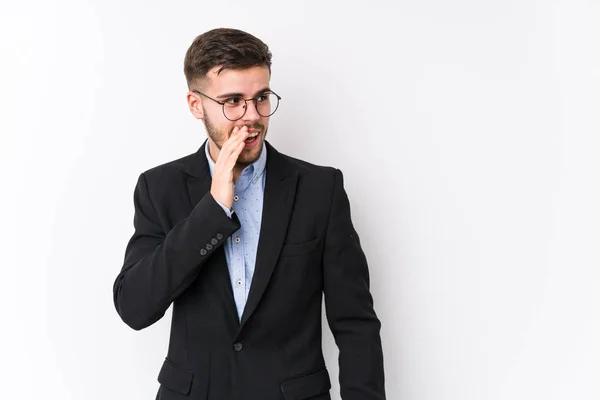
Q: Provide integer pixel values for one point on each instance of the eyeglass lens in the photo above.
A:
(266, 105)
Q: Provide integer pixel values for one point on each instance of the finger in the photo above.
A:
(238, 136)
(235, 152)
(232, 138)
(233, 156)
(228, 146)
(242, 134)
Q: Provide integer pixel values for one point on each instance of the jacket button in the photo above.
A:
(203, 252)
(238, 346)
(214, 241)
(220, 236)
(209, 246)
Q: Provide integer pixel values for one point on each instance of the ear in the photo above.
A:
(195, 105)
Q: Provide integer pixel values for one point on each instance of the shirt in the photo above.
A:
(240, 248)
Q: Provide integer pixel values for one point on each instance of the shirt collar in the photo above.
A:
(250, 174)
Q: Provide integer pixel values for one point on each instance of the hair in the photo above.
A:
(225, 48)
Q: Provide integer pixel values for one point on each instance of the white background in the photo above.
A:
(467, 132)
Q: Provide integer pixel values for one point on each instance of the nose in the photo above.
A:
(251, 112)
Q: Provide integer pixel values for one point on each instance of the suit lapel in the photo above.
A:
(199, 182)
(280, 191)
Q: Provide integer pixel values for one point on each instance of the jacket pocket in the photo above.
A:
(177, 379)
(306, 386)
(299, 248)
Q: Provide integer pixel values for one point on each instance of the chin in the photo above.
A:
(251, 155)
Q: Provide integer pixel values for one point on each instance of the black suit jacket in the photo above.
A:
(308, 246)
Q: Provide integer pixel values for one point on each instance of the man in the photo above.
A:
(243, 241)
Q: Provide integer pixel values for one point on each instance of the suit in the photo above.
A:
(307, 247)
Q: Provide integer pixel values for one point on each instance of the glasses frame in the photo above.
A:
(254, 100)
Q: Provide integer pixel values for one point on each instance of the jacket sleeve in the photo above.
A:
(349, 305)
(159, 266)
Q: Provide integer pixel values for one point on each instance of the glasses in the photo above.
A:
(235, 107)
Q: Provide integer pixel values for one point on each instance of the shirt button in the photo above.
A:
(238, 347)
(220, 236)
(213, 241)
(238, 282)
(236, 198)
(237, 240)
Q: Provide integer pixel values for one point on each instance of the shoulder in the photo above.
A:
(303, 166)
(319, 180)
(307, 169)
(186, 165)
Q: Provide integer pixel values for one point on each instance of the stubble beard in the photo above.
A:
(246, 157)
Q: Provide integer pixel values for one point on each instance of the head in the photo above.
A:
(229, 65)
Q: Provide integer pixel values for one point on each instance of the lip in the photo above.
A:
(253, 143)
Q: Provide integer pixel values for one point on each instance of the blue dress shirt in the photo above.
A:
(240, 249)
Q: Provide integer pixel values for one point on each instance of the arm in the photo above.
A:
(158, 267)
(349, 305)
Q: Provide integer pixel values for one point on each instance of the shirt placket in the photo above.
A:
(237, 252)
(239, 275)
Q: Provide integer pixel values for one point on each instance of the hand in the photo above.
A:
(222, 180)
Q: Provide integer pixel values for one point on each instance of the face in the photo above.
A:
(247, 83)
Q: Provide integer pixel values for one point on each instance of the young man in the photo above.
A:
(243, 241)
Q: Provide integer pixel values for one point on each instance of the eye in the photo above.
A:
(263, 97)
(233, 100)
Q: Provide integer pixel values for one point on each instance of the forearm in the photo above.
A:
(361, 369)
(355, 327)
(158, 267)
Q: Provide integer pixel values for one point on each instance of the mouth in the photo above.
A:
(252, 139)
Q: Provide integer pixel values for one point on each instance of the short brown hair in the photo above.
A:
(227, 48)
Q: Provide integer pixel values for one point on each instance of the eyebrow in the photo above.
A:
(227, 95)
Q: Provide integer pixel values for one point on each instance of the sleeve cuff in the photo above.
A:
(228, 211)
